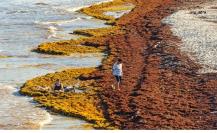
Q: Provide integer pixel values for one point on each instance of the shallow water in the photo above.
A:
(23, 25)
(69, 123)
(117, 14)
(197, 30)
(14, 106)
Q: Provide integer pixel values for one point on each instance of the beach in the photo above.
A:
(24, 25)
(162, 87)
(168, 52)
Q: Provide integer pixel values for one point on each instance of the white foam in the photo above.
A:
(17, 112)
(58, 22)
(74, 9)
(46, 121)
(52, 28)
(52, 32)
(7, 87)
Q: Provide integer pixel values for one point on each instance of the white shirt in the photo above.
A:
(117, 69)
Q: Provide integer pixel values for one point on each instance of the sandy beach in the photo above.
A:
(163, 86)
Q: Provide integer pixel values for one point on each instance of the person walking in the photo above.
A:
(117, 72)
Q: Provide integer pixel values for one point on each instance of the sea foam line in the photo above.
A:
(59, 22)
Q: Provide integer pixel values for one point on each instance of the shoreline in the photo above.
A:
(160, 86)
(83, 109)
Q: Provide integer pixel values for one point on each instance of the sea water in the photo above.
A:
(23, 25)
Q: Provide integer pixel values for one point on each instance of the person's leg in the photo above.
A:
(114, 85)
(118, 85)
(118, 82)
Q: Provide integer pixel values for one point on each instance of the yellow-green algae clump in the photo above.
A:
(93, 44)
(98, 10)
(100, 32)
(68, 77)
(82, 105)
(94, 38)
(66, 47)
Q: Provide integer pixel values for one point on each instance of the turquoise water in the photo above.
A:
(23, 25)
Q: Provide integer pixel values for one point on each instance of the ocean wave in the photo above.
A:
(68, 9)
(19, 112)
(41, 4)
(58, 22)
(53, 32)
(52, 29)
(74, 9)
(7, 87)
(15, 12)
(47, 120)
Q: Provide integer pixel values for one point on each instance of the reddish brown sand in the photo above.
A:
(161, 88)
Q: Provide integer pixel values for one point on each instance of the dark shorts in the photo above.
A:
(57, 88)
(118, 78)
